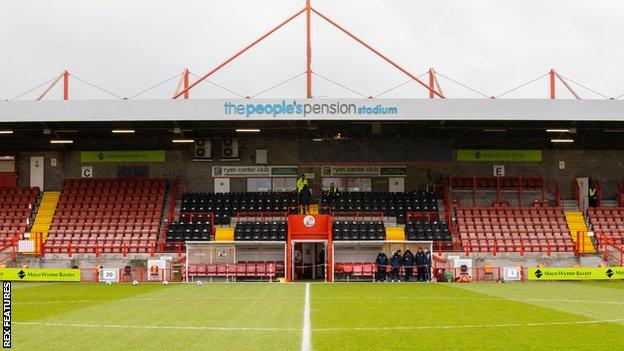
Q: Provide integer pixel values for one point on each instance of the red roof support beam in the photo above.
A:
(552, 83)
(185, 81)
(308, 51)
(567, 85)
(377, 53)
(201, 79)
(431, 83)
(50, 86)
(65, 85)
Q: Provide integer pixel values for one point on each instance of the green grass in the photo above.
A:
(357, 316)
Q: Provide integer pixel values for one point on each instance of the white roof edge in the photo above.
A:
(356, 109)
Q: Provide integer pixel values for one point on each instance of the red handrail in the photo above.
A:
(358, 215)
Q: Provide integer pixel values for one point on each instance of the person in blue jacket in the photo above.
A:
(382, 265)
(396, 262)
(420, 265)
(408, 263)
(427, 265)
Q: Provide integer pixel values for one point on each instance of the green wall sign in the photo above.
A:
(371, 171)
(122, 156)
(500, 155)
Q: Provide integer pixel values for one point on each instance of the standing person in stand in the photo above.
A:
(305, 198)
(301, 182)
(593, 195)
(396, 262)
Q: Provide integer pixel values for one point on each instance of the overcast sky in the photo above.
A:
(491, 45)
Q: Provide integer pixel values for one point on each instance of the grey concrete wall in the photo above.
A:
(607, 166)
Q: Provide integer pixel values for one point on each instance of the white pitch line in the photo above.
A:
(306, 344)
(422, 327)
(402, 298)
(174, 327)
(472, 326)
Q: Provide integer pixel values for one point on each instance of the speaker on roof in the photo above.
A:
(229, 149)
(202, 149)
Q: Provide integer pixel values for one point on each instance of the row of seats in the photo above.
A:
(358, 230)
(12, 214)
(10, 203)
(238, 202)
(68, 216)
(112, 183)
(515, 245)
(355, 269)
(19, 191)
(261, 231)
(103, 203)
(104, 245)
(105, 222)
(510, 212)
(495, 182)
(189, 231)
(267, 269)
(427, 231)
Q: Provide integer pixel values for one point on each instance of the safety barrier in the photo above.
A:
(479, 274)
(358, 216)
(612, 250)
(519, 184)
(8, 251)
(261, 216)
(521, 248)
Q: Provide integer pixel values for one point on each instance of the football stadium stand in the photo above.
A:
(16, 210)
(608, 223)
(107, 215)
(512, 229)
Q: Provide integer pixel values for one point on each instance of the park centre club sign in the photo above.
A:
(254, 171)
(369, 171)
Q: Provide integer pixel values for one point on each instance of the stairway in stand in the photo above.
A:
(44, 216)
(576, 223)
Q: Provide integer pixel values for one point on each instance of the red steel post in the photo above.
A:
(552, 83)
(308, 51)
(65, 85)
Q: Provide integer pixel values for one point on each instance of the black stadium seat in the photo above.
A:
(390, 204)
(189, 231)
(261, 231)
(358, 230)
(225, 206)
(434, 231)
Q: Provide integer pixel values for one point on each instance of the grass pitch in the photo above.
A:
(349, 316)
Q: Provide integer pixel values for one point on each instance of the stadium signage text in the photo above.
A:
(40, 274)
(372, 171)
(254, 171)
(122, 156)
(603, 273)
(499, 155)
(294, 108)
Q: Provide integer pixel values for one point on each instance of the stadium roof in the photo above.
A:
(289, 109)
